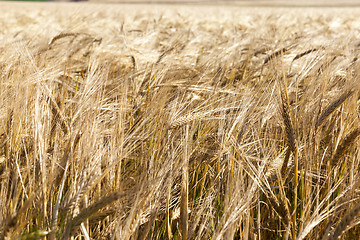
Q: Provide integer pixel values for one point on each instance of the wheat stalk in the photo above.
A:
(184, 188)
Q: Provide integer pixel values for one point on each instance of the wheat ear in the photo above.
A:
(281, 207)
(300, 55)
(345, 222)
(290, 134)
(345, 144)
(331, 108)
(91, 210)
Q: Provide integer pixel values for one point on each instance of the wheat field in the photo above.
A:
(179, 122)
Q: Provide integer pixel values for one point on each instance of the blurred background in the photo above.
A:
(304, 3)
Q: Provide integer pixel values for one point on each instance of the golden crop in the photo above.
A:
(178, 122)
